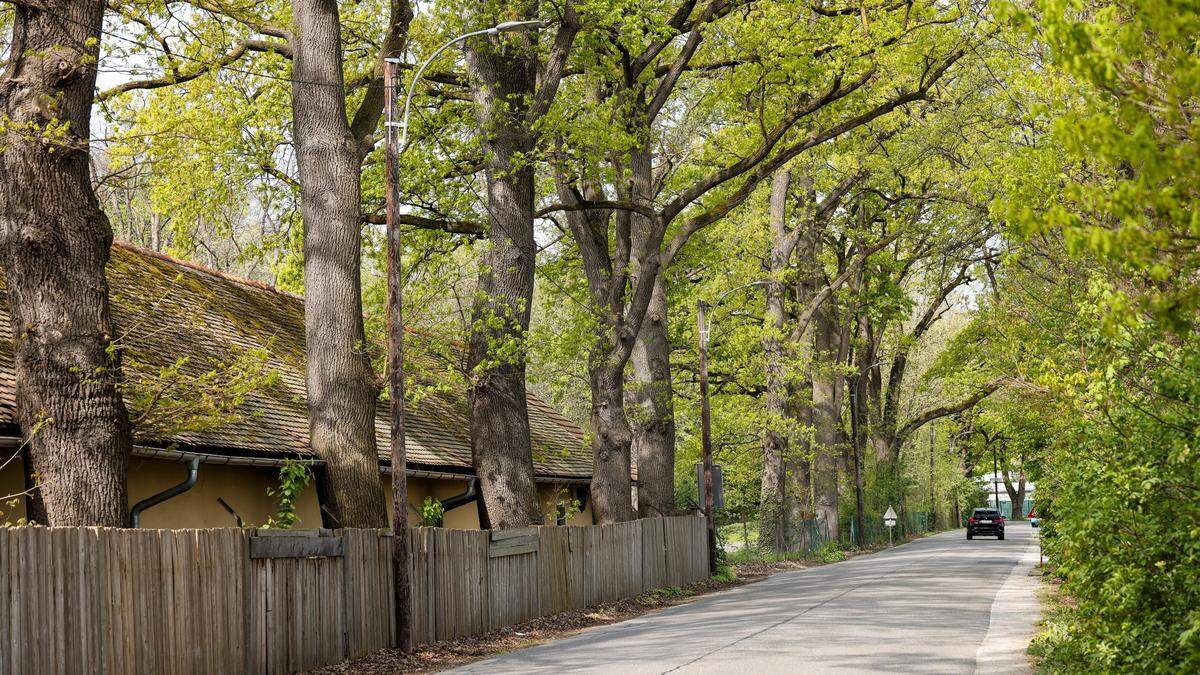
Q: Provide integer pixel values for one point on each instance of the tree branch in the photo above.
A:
(366, 118)
(597, 205)
(552, 75)
(819, 299)
(943, 411)
(467, 227)
(245, 18)
(238, 51)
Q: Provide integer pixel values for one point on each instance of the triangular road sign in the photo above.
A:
(891, 513)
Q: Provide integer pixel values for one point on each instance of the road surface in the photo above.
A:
(937, 605)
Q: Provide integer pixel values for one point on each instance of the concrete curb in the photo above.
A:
(1016, 612)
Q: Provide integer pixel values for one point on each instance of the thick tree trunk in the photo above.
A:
(826, 422)
(826, 408)
(503, 71)
(612, 438)
(653, 417)
(55, 244)
(650, 394)
(342, 391)
(611, 435)
(773, 486)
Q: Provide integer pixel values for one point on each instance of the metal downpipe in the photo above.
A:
(193, 466)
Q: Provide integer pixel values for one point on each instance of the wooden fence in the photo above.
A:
(99, 600)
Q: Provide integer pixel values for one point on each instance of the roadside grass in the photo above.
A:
(1051, 647)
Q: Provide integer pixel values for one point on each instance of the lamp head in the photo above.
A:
(515, 26)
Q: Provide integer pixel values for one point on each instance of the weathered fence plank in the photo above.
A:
(200, 601)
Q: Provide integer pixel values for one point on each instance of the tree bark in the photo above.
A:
(607, 276)
(342, 390)
(653, 423)
(826, 420)
(54, 247)
(502, 72)
(651, 394)
(1016, 495)
(773, 486)
(612, 486)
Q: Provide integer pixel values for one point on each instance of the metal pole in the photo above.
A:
(710, 522)
(395, 339)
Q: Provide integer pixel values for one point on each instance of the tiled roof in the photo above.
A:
(165, 308)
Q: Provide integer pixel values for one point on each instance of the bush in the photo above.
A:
(725, 574)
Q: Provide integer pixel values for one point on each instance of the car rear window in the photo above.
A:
(987, 514)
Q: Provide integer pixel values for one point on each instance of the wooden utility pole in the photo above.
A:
(996, 477)
(710, 522)
(395, 338)
(932, 495)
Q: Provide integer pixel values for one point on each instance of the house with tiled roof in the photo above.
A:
(187, 322)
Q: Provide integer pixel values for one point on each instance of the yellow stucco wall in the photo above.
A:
(466, 517)
(245, 489)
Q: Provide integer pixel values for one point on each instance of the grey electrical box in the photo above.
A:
(718, 486)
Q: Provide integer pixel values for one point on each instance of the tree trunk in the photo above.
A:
(342, 391)
(54, 248)
(653, 422)
(650, 394)
(858, 437)
(826, 406)
(612, 438)
(503, 71)
(1016, 495)
(773, 486)
(826, 421)
(611, 435)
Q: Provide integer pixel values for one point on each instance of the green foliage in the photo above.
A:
(431, 512)
(187, 396)
(566, 507)
(830, 552)
(726, 574)
(1126, 153)
(7, 508)
(294, 478)
(657, 595)
(1097, 318)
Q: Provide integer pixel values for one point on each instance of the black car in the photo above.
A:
(987, 522)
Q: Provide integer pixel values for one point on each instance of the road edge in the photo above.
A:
(1015, 615)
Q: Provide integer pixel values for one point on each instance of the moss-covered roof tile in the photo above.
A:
(164, 308)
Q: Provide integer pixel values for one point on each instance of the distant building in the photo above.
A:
(164, 309)
(991, 482)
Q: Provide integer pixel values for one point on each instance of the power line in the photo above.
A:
(208, 64)
(493, 219)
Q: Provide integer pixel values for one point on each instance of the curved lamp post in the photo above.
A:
(395, 322)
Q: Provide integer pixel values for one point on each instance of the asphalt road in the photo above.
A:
(937, 605)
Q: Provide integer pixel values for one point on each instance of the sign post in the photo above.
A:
(889, 519)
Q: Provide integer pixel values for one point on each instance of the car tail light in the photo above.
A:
(970, 521)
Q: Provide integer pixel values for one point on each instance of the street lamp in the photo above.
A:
(506, 27)
(703, 326)
(395, 322)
